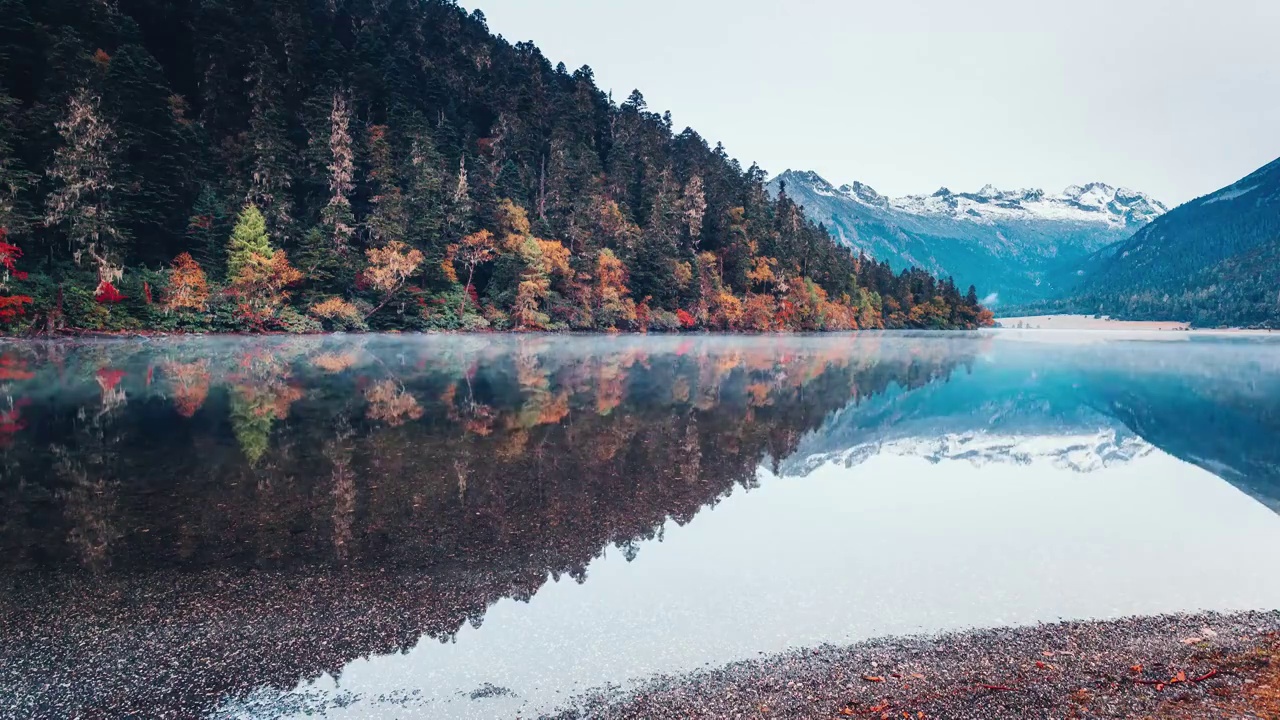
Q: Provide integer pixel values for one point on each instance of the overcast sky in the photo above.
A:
(1173, 97)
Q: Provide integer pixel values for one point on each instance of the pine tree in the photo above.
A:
(338, 217)
(84, 187)
(268, 151)
(248, 239)
(14, 179)
(388, 221)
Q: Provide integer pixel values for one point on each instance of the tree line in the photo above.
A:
(310, 165)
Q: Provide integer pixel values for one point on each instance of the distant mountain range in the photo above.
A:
(1019, 245)
(1094, 249)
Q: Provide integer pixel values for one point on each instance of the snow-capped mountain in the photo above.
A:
(1094, 202)
(1015, 245)
(1081, 453)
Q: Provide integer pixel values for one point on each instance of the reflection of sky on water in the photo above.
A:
(895, 545)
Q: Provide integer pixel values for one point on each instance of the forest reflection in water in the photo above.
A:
(190, 521)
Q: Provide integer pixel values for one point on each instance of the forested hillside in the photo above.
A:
(306, 165)
(1212, 262)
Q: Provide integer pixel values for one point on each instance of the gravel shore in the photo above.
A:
(1175, 667)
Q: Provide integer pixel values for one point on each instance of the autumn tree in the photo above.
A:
(390, 268)
(474, 250)
(613, 306)
(12, 307)
(259, 274)
(188, 288)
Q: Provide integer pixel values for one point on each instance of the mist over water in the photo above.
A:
(471, 526)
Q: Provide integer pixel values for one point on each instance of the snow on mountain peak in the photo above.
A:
(1081, 452)
(1094, 202)
(864, 193)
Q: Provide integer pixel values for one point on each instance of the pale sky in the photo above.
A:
(1172, 97)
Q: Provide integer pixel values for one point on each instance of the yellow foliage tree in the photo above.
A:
(390, 267)
(613, 303)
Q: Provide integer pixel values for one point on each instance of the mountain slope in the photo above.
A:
(1212, 261)
(1020, 245)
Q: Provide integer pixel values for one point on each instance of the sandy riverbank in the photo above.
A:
(1163, 668)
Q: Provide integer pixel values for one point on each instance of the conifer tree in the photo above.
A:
(14, 179)
(338, 217)
(84, 187)
(249, 238)
(268, 148)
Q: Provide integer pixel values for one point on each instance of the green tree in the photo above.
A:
(249, 238)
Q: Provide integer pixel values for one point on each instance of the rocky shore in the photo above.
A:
(1174, 667)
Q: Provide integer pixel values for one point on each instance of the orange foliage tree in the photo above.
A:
(188, 289)
(474, 250)
(259, 288)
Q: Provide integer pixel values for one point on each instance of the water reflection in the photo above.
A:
(194, 526)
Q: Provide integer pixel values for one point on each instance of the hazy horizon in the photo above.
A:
(1173, 99)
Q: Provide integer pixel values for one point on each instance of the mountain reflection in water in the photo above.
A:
(199, 526)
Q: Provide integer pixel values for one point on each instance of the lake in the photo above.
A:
(485, 526)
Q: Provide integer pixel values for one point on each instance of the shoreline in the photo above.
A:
(1092, 323)
(1164, 667)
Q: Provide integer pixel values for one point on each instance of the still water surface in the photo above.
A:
(485, 526)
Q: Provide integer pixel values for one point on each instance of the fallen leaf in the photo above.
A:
(1042, 665)
(1135, 669)
(873, 678)
(880, 708)
(1181, 677)
(1159, 687)
(846, 711)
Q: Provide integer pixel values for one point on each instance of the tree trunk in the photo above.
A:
(466, 293)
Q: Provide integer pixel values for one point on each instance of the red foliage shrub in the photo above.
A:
(107, 293)
(9, 255)
(686, 320)
(11, 308)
